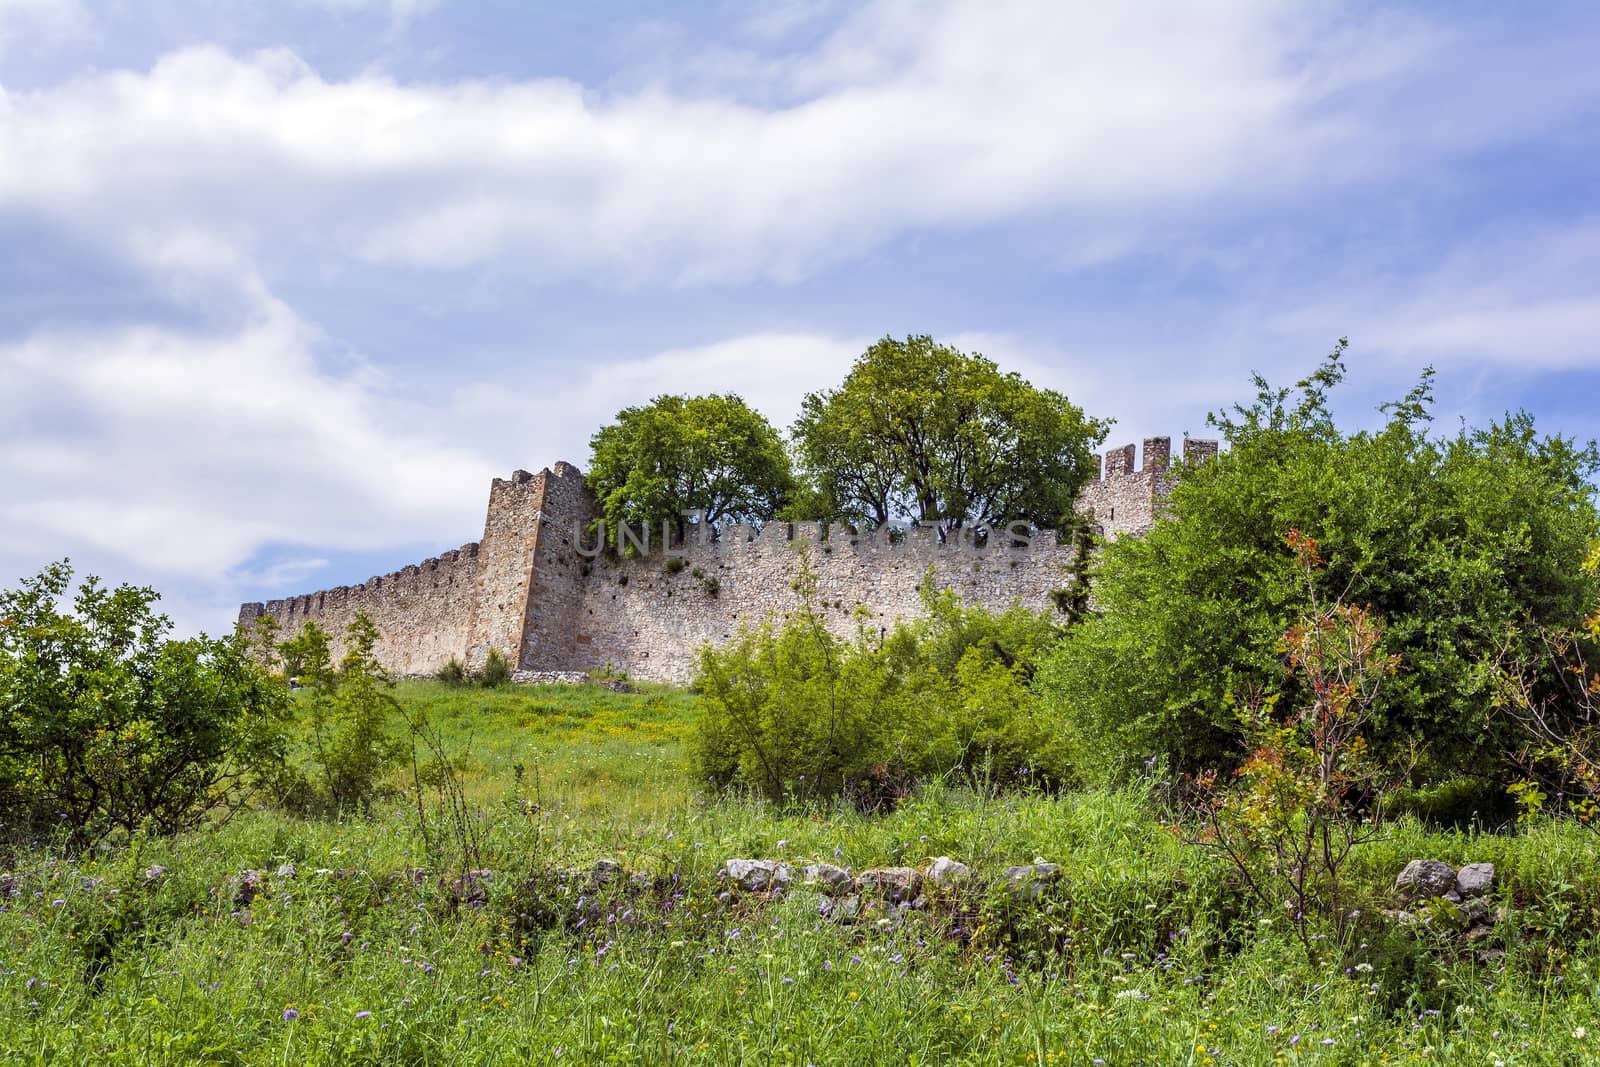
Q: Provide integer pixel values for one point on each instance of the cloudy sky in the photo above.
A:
(283, 285)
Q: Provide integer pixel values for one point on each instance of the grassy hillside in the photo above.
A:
(375, 948)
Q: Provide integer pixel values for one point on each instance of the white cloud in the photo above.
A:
(181, 452)
(1522, 299)
(182, 455)
(907, 118)
(771, 371)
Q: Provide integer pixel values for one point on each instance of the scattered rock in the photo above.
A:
(1425, 879)
(1476, 910)
(845, 909)
(1029, 879)
(835, 881)
(152, 874)
(286, 870)
(944, 871)
(251, 885)
(472, 888)
(1475, 880)
(895, 883)
(758, 876)
(641, 881)
(605, 871)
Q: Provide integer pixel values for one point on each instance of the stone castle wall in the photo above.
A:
(648, 616)
(423, 611)
(533, 588)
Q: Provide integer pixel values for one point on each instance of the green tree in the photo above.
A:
(1450, 543)
(107, 724)
(921, 430)
(712, 454)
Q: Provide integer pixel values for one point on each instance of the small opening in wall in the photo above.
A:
(1113, 515)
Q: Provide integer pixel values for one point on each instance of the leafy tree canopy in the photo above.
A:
(1457, 544)
(922, 430)
(712, 454)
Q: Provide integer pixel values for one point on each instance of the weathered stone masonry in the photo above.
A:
(527, 590)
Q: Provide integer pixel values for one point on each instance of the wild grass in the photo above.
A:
(1141, 955)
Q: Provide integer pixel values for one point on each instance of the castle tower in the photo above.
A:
(1125, 500)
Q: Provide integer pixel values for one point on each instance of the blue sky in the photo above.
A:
(283, 285)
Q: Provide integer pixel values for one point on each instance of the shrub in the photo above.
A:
(307, 656)
(1457, 803)
(452, 673)
(1554, 697)
(106, 724)
(972, 673)
(1453, 543)
(792, 709)
(354, 719)
(496, 670)
(1289, 823)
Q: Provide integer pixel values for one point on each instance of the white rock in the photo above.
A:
(757, 876)
(946, 871)
(835, 881)
(896, 883)
(1475, 880)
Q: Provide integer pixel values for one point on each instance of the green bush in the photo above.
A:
(1457, 803)
(353, 719)
(1452, 543)
(496, 670)
(793, 710)
(972, 672)
(106, 724)
(452, 673)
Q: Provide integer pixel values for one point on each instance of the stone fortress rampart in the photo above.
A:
(535, 588)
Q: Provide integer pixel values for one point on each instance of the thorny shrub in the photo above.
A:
(1308, 792)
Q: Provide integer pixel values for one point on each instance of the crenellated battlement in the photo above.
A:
(1122, 498)
(535, 587)
(1119, 462)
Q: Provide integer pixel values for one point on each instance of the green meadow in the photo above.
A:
(367, 942)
